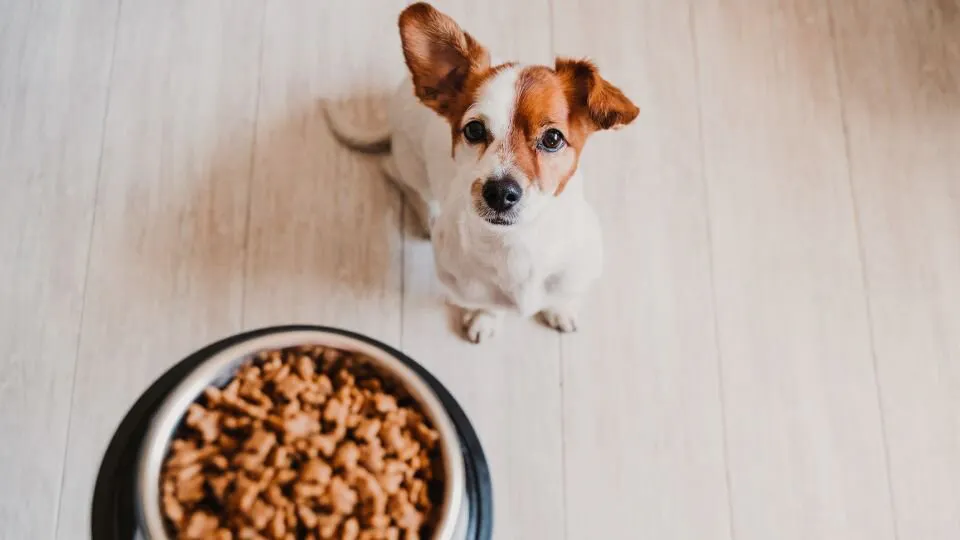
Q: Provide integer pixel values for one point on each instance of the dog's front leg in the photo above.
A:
(562, 314)
(481, 324)
(565, 294)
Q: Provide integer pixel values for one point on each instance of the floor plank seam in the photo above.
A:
(864, 276)
(251, 173)
(86, 276)
(403, 267)
(551, 24)
(705, 204)
(563, 442)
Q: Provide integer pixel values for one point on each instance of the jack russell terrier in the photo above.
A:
(486, 155)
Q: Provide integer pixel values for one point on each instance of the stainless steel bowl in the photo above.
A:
(220, 368)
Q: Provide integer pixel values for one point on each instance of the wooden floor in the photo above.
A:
(773, 354)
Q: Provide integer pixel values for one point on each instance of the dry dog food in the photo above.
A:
(303, 443)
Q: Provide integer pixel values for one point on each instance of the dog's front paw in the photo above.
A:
(559, 320)
(480, 325)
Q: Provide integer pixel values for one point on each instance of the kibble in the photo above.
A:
(307, 442)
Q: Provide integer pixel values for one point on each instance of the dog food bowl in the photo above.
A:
(126, 501)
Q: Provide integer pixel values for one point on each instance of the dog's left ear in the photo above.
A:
(440, 55)
(602, 104)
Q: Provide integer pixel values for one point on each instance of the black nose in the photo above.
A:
(502, 194)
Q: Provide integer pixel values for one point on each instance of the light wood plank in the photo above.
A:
(510, 387)
(166, 268)
(642, 412)
(54, 71)
(325, 237)
(900, 77)
(805, 448)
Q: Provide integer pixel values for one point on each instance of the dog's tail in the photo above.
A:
(371, 140)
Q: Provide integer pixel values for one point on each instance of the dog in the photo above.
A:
(486, 154)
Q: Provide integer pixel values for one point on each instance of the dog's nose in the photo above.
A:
(501, 194)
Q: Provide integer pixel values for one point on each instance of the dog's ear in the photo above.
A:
(602, 104)
(440, 55)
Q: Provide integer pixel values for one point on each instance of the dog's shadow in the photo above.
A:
(284, 225)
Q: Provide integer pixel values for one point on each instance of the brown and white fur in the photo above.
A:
(536, 249)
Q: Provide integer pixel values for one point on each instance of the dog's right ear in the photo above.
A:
(440, 55)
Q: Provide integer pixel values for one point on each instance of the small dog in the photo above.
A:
(486, 155)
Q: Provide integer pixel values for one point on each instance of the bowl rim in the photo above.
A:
(171, 411)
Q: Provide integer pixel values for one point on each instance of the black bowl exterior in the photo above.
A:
(113, 514)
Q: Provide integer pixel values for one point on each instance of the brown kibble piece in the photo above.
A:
(236, 423)
(189, 455)
(260, 514)
(392, 437)
(280, 457)
(372, 493)
(212, 395)
(227, 443)
(303, 491)
(385, 403)
(305, 367)
(347, 456)
(285, 476)
(419, 494)
(392, 476)
(327, 526)
(330, 356)
(340, 497)
(368, 429)
(335, 411)
(218, 485)
(372, 455)
(403, 512)
(379, 522)
(290, 387)
(245, 493)
(280, 373)
(207, 423)
(426, 435)
(278, 525)
(190, 490)
(200, 526)
(249, 533)
(350, 529)
(188, 472)
(173, 509)
(326, 445)
(307, 516)
(219, 462)
(408, 450)
(298, 426)
(316, 471)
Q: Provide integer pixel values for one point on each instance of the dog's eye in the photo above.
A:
(474, 131)
(552, 140)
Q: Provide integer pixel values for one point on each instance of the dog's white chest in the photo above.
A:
(489, 272)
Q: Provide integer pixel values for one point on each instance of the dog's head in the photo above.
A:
(517, 131)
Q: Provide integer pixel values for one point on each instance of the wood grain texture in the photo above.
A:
(54, 71)
(325, 228)
(642, 414)
(510, 387)
(900, 78)
(804, 434)
(166, 263)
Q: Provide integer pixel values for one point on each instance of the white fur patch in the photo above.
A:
(496, 102)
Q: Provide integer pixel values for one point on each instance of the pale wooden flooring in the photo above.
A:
(774, 353)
